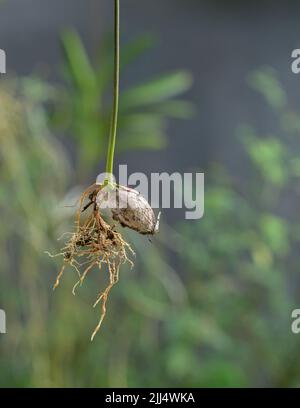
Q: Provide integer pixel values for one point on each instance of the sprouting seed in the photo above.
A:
(129, 208)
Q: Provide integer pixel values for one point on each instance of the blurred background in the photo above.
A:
(206, 86)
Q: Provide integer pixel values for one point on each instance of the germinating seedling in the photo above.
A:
(96, 243)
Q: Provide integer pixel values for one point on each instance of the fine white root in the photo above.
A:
(94, 244)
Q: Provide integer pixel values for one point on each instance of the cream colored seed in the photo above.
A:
(129, 208)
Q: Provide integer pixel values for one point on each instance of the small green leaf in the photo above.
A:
(175, 109)
(78, 62)
(156, 90)
(142, 141)
(269, 155)
(275, 232)
(266, 82)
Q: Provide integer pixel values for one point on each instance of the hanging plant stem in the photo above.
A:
(95, 243)
(115, 111)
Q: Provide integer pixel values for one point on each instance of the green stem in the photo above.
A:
(114, 119)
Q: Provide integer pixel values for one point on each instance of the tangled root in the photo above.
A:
(94, 244)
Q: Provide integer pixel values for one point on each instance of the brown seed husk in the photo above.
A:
(94, 244)
(129, 208)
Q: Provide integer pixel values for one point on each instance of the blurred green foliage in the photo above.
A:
(241, 258)
(47, 343)
(222, 318)
(85, 107)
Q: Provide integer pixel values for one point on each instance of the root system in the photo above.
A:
(94, 244)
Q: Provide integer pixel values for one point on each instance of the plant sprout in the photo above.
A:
(96, 243)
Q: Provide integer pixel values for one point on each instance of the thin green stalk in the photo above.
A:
(114, 119)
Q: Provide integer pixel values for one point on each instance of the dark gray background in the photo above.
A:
(218, 42)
